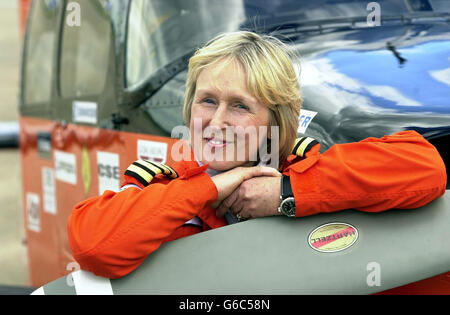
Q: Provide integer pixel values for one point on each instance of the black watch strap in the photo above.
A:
(286, 188)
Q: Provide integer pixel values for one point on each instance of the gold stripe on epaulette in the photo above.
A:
(149, 167)
(168, 170)
(303, 145)
(141, 172)
(144, 171)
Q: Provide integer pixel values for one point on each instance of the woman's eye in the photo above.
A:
(209, 101)
(241, 106)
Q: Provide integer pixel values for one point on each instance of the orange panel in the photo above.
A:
(76, 147)
(438, 285)
(24, 6)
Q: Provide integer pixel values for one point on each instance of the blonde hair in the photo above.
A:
(271, 78)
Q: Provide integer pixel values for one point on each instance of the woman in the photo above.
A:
(239, 82)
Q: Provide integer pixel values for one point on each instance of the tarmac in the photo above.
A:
(13, 251)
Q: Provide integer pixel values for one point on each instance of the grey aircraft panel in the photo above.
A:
(272, 256)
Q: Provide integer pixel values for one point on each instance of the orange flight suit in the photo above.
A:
(112, 234)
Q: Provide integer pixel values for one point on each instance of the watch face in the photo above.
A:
(288, 207)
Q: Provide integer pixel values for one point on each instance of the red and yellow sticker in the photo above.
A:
(333, 237)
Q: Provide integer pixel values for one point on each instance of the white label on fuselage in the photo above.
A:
(306, 116)
(152, 151)
(65, 167)
(33, 212)
(84, 112)
(108, 171)
(48, 190)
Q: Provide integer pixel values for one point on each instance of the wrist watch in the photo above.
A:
(287, 206)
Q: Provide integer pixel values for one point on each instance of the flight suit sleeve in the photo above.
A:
(112, 234)
(402, 170)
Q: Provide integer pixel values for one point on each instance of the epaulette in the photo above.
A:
(144, 171)
(303, 145)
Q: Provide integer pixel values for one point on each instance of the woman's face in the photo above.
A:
(228, 124)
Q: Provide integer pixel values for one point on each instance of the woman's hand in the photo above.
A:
(254, 198)
(229, 181)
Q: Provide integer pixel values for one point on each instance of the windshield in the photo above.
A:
(162, 31)
(273, 11)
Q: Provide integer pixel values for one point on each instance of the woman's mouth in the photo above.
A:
(216, 143)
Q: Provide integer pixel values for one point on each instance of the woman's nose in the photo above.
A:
(220, 117)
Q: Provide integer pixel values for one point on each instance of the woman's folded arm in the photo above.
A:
(402, 170)
(112, 234)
